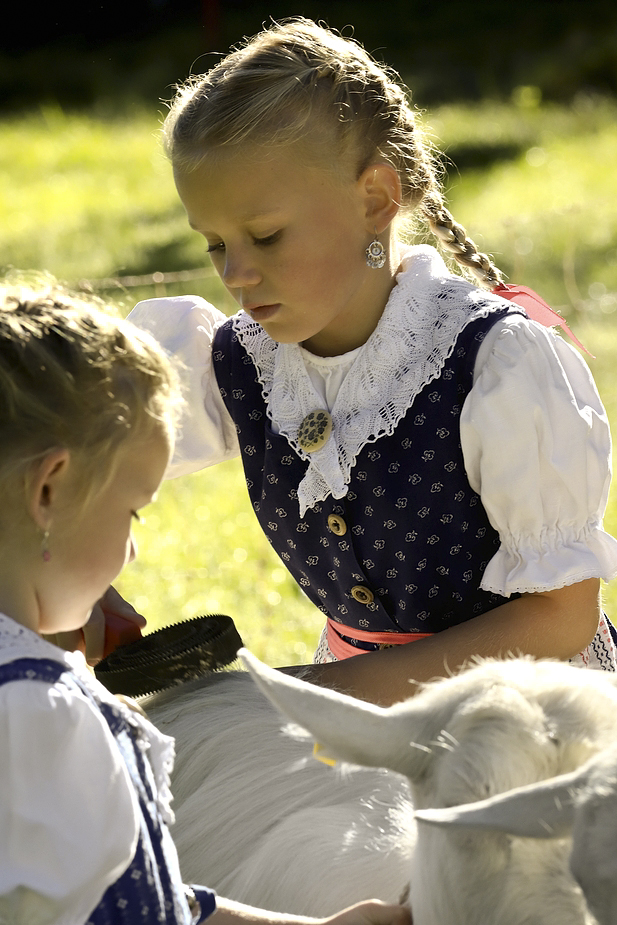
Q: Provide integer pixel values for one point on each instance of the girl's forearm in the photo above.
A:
(372, 912)
(550, 624)
(229, 912)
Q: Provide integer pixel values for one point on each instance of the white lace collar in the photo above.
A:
(427, 310)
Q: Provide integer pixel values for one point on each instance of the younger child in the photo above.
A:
(86, 427)
(431, 465)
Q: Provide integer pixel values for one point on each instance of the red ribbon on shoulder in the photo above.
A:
(537, 309)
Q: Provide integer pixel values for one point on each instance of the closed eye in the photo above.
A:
(261, 242)
(136, 516)
(269, 239)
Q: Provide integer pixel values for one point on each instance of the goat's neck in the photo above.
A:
(493, 879)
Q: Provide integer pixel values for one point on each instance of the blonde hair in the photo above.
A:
(75, 377)
(297, 81)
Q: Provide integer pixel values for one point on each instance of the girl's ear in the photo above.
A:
(380, 187)
(45, 479)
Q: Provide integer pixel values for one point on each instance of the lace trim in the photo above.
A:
(600, 654)
(427, 310)
(161, 750)
(539, 587)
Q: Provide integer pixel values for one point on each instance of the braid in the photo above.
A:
(298, 80)
(453, 238)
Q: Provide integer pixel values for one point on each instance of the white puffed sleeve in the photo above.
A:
(68, 811)
(185, 326)
(537, 449)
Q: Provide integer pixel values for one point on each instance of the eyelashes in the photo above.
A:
(260, 242)
(136, 517)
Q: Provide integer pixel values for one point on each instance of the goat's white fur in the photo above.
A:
(263, 822)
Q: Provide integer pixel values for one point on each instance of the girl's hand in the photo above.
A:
(372, 912)
(112, 621)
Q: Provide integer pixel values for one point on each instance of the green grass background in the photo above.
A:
(89, 198)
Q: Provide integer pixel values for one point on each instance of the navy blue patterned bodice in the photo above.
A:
(415, 533)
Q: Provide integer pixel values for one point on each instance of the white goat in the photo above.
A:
(582, 804)
(499, 725)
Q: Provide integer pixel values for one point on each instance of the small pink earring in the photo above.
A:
(375, 254)
(45, 553)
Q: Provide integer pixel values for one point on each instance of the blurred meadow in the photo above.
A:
(91, 201)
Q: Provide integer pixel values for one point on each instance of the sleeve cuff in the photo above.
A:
(206, 899)
(552, 562)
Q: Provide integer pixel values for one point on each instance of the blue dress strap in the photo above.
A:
(32, 669)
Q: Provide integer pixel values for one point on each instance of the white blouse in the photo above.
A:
(68, 811)
(535, 436)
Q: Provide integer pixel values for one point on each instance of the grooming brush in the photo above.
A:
(180, 652)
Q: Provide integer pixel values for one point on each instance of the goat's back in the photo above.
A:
(261, 821)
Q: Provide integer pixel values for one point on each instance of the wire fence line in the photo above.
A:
(158, 281)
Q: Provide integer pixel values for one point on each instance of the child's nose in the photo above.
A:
(240, 270)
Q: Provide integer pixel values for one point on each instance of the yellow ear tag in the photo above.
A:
(317, 748)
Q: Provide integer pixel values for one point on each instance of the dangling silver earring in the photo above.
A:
(375, 254)
(45, 553)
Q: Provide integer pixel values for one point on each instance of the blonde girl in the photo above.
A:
(431, 465)
(87, 408)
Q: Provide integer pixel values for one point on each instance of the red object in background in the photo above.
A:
(119, 632)
(536, 308)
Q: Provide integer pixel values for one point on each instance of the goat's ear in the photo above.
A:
(542, 810)
(345, 728)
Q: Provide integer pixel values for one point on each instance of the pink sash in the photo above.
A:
(342, 649)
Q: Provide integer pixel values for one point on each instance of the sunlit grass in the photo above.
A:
(81, 197)
(550, 218)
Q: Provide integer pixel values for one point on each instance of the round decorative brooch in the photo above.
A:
(314, 431)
